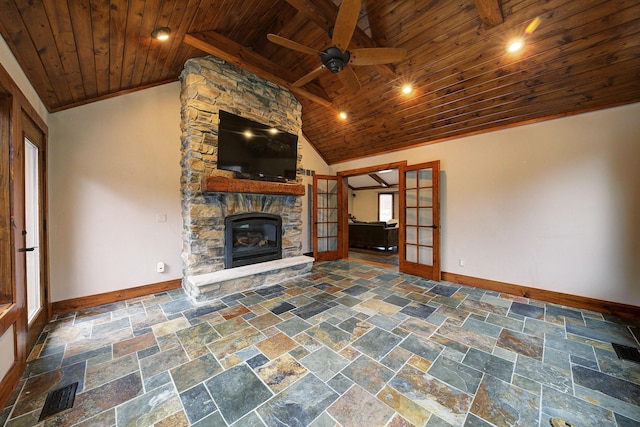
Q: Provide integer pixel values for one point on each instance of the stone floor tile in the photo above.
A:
(197, 403)
(231, 326)
(368, 373)
(466, 337)
(456, 374)
(195, 338)
(103, 373)
(416, 309)
(527, 310)
(189, 374)
(281, 373)
(617, 388)
(307, 311)
(421, 347)
(505, 405)
(324, 363)
(133, 345)
(237, 391)
(292, 407)
(234, 311)
(276, 345)
(489, 364)
(482, 327)
(405, 406)
(228, 345)
(574, 410)
(376, 343)
(524, 344)
(170, 326)
(433, 395)
(331, 336)
(163, 361)
(358, 408)
(544, 374)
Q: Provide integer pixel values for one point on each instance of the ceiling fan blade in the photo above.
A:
(349, 79)
(308, 77)
(346, 22)
(292, 45)
(376, 55)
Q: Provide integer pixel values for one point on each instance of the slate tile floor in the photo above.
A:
(351, 344)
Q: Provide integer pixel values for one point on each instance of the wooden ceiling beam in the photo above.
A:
(490, 12)
(234, 53)
(379, 180)
(324, 13)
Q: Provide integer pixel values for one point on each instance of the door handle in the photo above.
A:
(27, 249)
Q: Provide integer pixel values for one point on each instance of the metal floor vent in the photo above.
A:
(627, 353)
(59, 400)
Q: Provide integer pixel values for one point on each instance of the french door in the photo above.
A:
(327, 211)
(30, 167)
(419, 237)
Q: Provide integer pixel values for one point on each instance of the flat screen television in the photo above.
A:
(254, 150)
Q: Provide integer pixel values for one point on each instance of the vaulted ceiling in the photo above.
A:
(584, 55)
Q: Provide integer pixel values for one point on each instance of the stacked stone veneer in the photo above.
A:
(209, 85)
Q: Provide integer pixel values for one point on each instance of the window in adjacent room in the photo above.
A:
(385, 206)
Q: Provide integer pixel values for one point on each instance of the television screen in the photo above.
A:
(255, 150)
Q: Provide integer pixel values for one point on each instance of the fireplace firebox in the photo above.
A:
(251, 238)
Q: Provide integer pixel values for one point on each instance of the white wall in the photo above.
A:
(310, 160)
(364, 206)
(114, 166)
(552, 205)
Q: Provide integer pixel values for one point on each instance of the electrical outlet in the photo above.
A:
(160, 267)
(461, 262)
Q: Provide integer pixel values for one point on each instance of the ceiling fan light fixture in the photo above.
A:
(335, 59)
(161, 33)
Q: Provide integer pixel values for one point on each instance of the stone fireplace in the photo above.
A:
(212, 199)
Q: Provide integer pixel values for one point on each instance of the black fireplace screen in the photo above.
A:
(251, 238)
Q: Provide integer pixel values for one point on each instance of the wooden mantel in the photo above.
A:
(219, 184)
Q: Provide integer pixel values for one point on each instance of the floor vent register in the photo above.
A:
(59, 400)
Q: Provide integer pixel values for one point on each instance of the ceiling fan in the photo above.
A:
(337, 58)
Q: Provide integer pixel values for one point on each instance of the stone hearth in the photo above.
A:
(209, 85)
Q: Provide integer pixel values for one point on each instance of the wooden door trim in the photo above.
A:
(414, 268)
(343, 225)
(328, 255)
(37, 136)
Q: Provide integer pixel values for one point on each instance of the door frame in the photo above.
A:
(38, 137)
(344, 217)
(341, 195)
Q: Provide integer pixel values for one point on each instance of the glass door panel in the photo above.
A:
(326, 217)
(420, 234)
(31, 231)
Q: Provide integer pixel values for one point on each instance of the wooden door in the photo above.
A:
(327, 211)
(419, 237)
(29, 164)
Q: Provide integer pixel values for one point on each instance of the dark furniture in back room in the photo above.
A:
(372, 235)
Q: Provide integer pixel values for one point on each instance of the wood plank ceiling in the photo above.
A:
(584, 55)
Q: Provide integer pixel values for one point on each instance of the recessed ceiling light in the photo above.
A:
(161, 33)
(407, 89)
(343, 115)
(273, 131)
(515, 45)
(248, 134)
